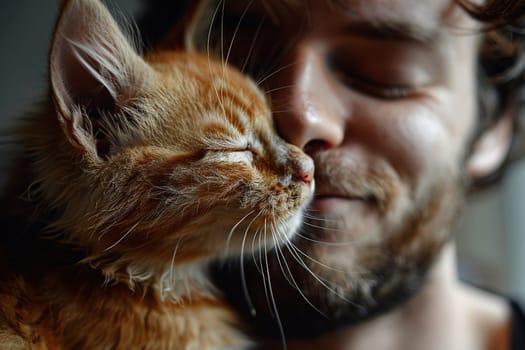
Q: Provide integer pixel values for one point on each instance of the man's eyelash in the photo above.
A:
(376, 89)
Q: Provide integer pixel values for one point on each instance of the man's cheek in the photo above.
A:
(416, 140)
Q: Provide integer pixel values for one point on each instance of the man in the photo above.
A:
(393, 102)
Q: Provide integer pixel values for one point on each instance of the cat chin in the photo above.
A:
(174, 280)
(266, 237)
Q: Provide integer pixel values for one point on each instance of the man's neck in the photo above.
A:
(445, 315)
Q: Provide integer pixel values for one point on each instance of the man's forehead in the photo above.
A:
(417, 18)
(426, 16)
(399, 8)
(413, 10)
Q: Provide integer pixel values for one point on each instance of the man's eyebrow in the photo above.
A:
(388, 29)
(384, 24)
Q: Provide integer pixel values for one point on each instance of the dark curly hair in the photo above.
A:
(501, 67)
(501, 62)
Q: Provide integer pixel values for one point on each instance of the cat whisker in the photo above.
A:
(273, 56)
(326, 230)
(278, 88)
(172, 263)
(220, 5)
(259, 266)
(278, 253)
(315, 261)
(277, 111)
(291, 279)
(329, 229)
(254, 40)
(208, 39)
(330, 244)
(243, 273)
(256, 245)
(235, 32)
(273, 307)
(297, 258)
(322, 226)
(268, 76)
(128, 232)
(318, 218)
(262, 256)
(258, 249)
(230, 234)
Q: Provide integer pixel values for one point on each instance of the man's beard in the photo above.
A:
(302, 290)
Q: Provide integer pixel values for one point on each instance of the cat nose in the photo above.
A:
(303, 170)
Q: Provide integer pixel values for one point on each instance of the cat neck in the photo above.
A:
(76, 296)
(23, 244)
(175, 283)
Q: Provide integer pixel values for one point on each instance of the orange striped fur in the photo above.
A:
(131, 177)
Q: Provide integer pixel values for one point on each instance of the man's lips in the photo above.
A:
(327, 202)
(350, 197)
(352, 194)
(346, 179)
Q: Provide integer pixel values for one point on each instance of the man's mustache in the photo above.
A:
(338, 175)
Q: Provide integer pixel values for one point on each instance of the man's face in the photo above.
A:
(382, 95)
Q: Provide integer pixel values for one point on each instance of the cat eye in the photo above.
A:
(228, 150)
(229, 156)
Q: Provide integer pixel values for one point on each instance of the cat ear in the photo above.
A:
(93, 69)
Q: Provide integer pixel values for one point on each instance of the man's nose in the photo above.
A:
(308, 109)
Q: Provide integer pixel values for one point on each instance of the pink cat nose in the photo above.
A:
(303, 170)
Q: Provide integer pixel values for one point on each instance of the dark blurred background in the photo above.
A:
(490, 234)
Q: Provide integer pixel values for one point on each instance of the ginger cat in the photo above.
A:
(132, 176)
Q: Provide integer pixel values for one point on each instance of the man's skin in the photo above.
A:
(382, 94)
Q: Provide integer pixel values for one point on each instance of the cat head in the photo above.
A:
(171, 156)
